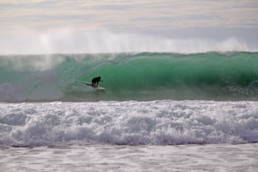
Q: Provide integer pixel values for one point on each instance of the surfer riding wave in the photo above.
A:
(95, 81)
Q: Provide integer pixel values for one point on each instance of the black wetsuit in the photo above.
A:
(95, 81)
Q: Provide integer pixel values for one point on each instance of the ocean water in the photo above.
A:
(130, 76)
(159, 111)
(180, 158)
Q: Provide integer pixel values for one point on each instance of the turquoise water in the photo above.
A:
(130, 76)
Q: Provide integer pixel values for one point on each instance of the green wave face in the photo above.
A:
(168, 76)
(143, 76)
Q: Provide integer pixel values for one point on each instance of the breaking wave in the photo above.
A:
(130, 76)
(130, 123)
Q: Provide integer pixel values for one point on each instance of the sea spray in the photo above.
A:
(66, 41)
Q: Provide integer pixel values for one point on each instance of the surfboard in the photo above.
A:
(91, 87)
(98, 87)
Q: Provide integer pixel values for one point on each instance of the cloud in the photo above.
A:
(22, 21)
(129, 15)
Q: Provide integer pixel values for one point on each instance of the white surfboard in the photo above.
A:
(91, 87)
(97, 88)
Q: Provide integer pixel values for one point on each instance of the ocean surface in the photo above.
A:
(158, 111)
(127, 76)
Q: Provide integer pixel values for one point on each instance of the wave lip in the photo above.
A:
(129, 123)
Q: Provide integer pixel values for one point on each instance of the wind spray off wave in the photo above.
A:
(65, 41)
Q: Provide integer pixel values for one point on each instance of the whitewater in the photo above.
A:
(197, 110)
(163, 122)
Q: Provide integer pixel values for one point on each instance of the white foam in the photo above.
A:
(131, 123)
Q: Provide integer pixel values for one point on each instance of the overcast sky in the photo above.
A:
(171, 19)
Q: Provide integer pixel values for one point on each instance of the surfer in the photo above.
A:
(95, 81)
